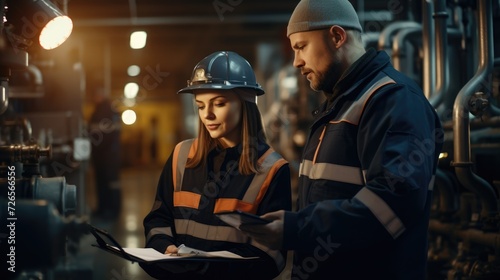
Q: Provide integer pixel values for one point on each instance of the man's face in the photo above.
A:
(315, 56)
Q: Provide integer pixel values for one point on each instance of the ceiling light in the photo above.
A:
(133, 70)
(131, 90)
(138, 39)
(129, 117)
(36, 20)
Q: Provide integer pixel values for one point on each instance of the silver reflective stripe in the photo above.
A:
(330, 171)
(209, 232)
(160, 230)
(382, 211)
(259, 178)
(431, 184)
(353, 114)
(276, 255)
(181, 162)
(301, 168)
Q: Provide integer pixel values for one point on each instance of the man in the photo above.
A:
(105, 133)
(367, 169)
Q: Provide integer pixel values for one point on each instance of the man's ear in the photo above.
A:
(338, 35)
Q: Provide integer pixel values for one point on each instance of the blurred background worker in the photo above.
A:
(105, 138)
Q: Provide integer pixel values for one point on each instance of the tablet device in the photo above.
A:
(238, 218)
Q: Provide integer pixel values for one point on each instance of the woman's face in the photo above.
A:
(220, 113)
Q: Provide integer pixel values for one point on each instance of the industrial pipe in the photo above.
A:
(399, 49)
(441, 40)
(4, 95)
(385, 40)
(429, 50)
(447, 194)
(461, 124)
(475, 236)
(494, 110)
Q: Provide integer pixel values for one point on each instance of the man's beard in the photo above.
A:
(327, 81)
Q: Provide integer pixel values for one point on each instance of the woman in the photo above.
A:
(228, 167)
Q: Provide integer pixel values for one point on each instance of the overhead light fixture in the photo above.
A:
(129, 117)
(131, 90)
(133, 70)
(36, 20)
(138, 39)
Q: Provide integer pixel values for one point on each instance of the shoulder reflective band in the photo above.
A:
(181, 152)
(353, 114)
(270, 162)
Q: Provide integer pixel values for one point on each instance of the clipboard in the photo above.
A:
(115, 248)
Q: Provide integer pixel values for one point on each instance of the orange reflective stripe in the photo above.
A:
(319, 144)
(186, 199)
(231, 204)
(266, 161)
(270, 162)
(276, 166)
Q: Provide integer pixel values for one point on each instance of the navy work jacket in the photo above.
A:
(366, 179)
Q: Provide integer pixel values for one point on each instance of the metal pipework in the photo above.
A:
(448, 204)
(461, 124)
(23, 153)
(428, 38)
(385, 40)
(54, 190)
(475, 236)
(43, 233)
(4, 95)
(398, 46)
(495, 111)
(441, 40)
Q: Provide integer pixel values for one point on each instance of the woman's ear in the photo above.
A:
(338, 35)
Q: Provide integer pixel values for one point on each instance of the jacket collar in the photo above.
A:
(361, 71)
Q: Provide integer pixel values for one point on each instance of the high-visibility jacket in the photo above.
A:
(366, 179)
(187, 200)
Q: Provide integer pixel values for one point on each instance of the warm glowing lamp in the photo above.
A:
(37, 20)
(138, 39)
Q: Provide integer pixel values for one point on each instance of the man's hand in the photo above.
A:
(271, 234)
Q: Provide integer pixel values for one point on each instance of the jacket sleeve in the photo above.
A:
(159, 223)
(270, 262)
(398, 154)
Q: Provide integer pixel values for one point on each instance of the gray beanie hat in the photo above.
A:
(319, 14)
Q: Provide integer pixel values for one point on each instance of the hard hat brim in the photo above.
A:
(192, 88)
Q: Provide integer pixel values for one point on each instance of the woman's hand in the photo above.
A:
(171, 249)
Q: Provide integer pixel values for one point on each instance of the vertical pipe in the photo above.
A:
(429, 75)
(461, 124)
(399, 50)
(441, 40)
